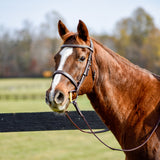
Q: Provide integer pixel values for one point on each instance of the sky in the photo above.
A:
(100, 16)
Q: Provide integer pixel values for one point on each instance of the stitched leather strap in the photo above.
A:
(79, 46)
(67, 76)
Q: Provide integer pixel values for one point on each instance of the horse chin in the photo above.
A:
(59, 108)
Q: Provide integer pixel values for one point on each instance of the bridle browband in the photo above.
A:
(74, 102)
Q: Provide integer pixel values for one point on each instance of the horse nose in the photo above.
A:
(59, 97)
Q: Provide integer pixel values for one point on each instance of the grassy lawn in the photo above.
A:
(59, 145)
(24, 86)
(48, 145)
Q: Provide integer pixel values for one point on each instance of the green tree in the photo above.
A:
(151, 50)
(132, 34)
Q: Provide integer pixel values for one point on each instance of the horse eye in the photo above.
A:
(82, 59)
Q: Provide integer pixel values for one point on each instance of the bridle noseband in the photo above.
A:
(74, 102)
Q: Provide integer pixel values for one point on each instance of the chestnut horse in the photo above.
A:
(125, 96)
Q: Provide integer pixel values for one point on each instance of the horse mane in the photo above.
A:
(156, 76)
(121, 60)
(68, 35)
(115, 55)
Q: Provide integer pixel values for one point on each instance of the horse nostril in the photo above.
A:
(59, 97)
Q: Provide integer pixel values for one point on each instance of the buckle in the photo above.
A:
(71, 100)
(70, 97)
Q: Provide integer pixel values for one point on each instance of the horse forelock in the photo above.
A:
(68, 35)
(73, 38)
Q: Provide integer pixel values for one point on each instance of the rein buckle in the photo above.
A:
(70, 97)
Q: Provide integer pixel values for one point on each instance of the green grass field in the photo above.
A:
(48, 145)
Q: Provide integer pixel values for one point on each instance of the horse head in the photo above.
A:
(72, 60)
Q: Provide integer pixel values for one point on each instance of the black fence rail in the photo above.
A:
(45, 121)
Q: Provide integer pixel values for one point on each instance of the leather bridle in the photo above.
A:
(85, 73)
(74, 102)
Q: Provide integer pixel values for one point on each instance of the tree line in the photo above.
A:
(29, 51)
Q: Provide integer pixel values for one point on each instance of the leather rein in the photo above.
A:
(74, 102)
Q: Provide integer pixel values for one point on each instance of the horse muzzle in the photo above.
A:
(57, 101)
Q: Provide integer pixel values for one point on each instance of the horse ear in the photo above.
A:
(62, 29)
(82, 31)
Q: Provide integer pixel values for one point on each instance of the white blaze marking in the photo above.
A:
(65, 53)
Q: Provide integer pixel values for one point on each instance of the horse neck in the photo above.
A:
(117, 88)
